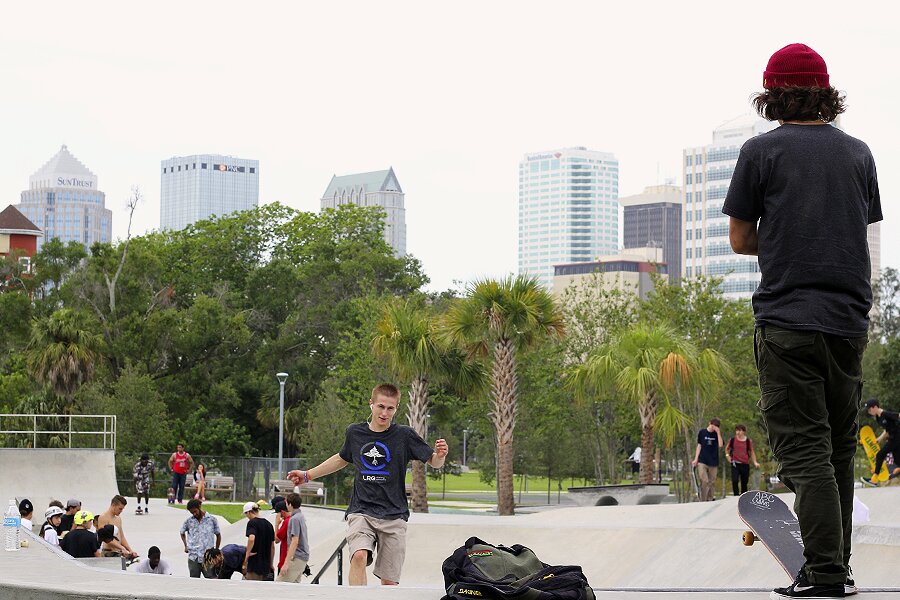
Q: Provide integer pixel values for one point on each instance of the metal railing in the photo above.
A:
(64, 427)
(339, 555)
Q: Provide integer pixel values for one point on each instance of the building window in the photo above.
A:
(195, 166)
(179, 167)
(202, 165)
(253, 169)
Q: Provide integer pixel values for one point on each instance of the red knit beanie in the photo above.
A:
(796, 65)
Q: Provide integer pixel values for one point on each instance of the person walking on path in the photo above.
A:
(706, 459)
(298, 543)
(282, 517)
(739, 452)
(199, 532)
(889, 440)
(380, 450)
(181, 464)
(801, 199)
(143, 479)
(635, 459)
(260, 545)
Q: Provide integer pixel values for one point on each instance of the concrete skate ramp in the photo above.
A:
(44, 474)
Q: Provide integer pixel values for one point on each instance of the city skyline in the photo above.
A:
(453, 119)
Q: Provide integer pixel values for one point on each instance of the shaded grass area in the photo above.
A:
(231, 512)
(470, 482)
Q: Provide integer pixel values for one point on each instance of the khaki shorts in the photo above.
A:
(292, 570)
(365, 532)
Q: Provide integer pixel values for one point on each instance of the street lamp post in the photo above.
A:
(465, 436)
(282, 377)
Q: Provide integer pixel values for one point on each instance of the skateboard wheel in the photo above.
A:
(748, 538)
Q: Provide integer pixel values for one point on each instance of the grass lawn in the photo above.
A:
(469, 482)
(231, 512)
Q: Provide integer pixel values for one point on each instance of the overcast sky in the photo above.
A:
(450, 94)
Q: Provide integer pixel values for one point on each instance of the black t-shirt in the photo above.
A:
(709, 447)
(813, 189)
(80, 543)
(380, 458)
(891, 423)
(66, 522)
(261, 562)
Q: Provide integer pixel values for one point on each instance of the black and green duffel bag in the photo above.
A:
(482, 570)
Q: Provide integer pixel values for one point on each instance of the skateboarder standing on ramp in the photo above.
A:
(801, 198)
(889, 440)
(181, 464)
(380, 450)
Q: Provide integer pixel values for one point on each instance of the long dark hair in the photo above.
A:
(799, 104)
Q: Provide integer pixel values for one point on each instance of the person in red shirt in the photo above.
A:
(181, 464)
(282, 516)
(739, 452)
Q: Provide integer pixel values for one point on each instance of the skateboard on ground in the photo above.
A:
(870, 443)
(772, 523)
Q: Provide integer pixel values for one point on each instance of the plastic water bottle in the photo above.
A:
(12, 521)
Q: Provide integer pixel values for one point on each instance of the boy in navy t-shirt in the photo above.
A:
(706, 459)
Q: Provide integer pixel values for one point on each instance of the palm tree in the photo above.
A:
(407, 336)
(649, 364)
(63, 354)
(498, 319)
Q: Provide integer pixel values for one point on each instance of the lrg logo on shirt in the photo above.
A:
(375, 457)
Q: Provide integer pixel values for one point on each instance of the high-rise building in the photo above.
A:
(568, 209)
(63, 200)
(376, 188)
(653, 219)
(200, 186)
(707, 174)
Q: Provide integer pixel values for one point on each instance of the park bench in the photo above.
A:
(214, 483)
(306, 490)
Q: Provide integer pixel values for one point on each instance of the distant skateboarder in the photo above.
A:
(143, 479)
(380, 450)
(801, 198)
(889, 440)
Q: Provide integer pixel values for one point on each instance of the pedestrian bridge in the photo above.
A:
(615, 495)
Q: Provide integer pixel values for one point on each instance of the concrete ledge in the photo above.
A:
(615, 495)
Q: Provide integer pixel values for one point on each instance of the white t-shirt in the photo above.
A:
(162, 568)
(636, 455)
(50, 536)
(27, 524)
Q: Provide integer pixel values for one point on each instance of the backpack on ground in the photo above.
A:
(482, 570)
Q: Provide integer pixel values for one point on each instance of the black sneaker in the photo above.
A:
(850, 585)
(802, 588)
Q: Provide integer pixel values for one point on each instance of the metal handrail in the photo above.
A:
(108, 433)
(339, 554)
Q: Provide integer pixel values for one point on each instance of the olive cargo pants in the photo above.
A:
(810, 385)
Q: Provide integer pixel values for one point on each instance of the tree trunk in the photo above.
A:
(648, 423)
(418, 420)
(504, 391)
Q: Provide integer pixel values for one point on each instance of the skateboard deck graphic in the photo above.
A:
(870, 443)
(772, 523)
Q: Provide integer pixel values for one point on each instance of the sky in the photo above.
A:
(452, 95)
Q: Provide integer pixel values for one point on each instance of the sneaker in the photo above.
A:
(802, 588)
(850, 587)
(147, 510)
(197, 496)
(139, 511)
(868, 481)
(181, 502)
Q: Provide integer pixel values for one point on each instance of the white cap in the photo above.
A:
(250, 506)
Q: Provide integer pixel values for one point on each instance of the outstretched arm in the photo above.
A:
(440, 454)
(327, 467)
